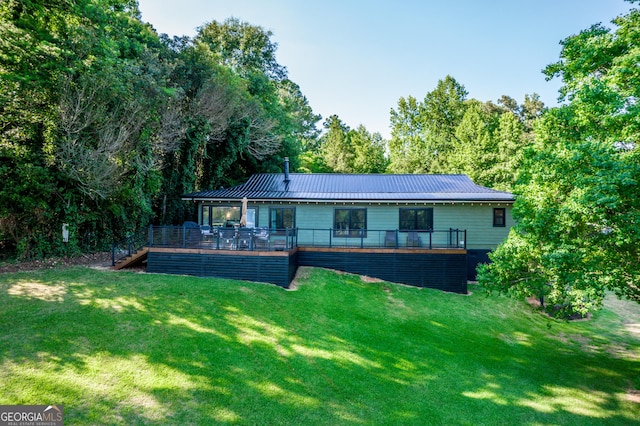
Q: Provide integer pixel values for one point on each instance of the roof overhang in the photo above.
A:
(422, 201)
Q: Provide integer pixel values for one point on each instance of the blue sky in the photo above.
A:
(357, 58)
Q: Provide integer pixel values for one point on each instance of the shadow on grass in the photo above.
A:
(135, 348)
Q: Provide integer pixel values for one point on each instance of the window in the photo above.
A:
(350, 222)
(252, 217)
(499, 217)
(281, 218)
(220, 215)
(416, 219)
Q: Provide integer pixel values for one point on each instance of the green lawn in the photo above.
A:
(132, 348)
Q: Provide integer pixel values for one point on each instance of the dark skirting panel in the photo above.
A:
(475, 258)
(276, 268)
(439, 269)
(446, 270)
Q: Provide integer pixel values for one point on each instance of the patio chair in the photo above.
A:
(262, 240)
(227, 238)
(391, 239)
(244, 239)
(413, 239)
(207, 233)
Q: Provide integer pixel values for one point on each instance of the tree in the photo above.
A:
(405, 146)
(531, 110)
(297, 124)
(239, 113)
(473, 154)
(369, 151)
(82, 86)
(510, 143)
(337, 151)
(577, 208)
(243, 47)
(424, 133)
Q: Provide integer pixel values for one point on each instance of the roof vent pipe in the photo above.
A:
(286, 169)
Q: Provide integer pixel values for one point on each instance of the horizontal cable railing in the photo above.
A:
(253, 239)
(222, 238)
(395, 238)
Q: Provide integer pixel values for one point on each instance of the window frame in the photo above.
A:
(209, 215)
(281, 231)
(415, 227)
(499, 217)
(349, 231)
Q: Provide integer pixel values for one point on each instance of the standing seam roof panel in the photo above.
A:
(358, 187)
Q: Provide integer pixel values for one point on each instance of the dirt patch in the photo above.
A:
(534, 302)
(633, 396)
(368, 279)
(102, 259)
(302, 273)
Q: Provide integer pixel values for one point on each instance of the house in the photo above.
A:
(424, 230)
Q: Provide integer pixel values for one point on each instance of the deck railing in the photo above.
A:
(129, 245)
(395, 238)
(263, 239)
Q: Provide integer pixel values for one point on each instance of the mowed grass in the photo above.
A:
(133, 348)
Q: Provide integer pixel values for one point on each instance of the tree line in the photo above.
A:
(104, 124)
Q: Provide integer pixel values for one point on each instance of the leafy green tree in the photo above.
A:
(510, 143)
(473, 153)
(369, 151)
(406, 144)
(297, 124)
(243, 47)
(337, 151)
(104, 124)
(238, 112)
(489, 144)
(424, 133)
(443, 111)
(577, 207)
(531, 110)
(509, 104)
(69, 72)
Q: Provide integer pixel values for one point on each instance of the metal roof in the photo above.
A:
(355, 187)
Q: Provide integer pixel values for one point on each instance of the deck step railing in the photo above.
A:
(130, 245)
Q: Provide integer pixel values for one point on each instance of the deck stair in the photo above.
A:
(135, 258)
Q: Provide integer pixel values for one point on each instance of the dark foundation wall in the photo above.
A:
(278, 268)
(475, 258)
(439, 269)
(445, 271)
